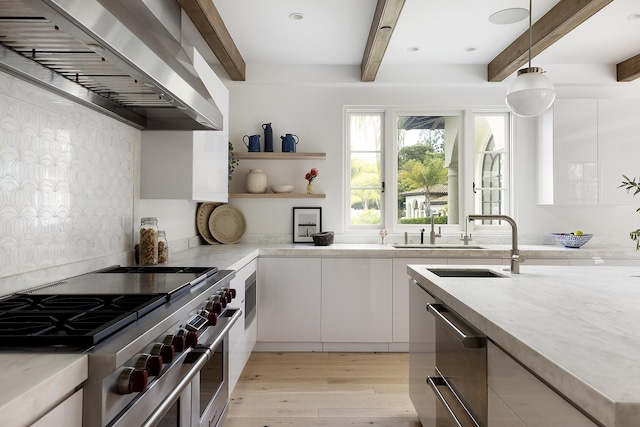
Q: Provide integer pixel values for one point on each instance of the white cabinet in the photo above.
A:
(401, 295)
(184, 165)
(568, 153)
(584, 148)
(67, 414)
(519, 399)
(289, 299)
(242, 337)
(357, 300)
(618, 147)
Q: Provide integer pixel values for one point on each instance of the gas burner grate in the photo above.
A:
(70, 320)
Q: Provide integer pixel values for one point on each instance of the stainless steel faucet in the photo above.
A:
(515, 258)
(433, 235)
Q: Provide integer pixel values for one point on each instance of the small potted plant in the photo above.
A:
(632, 184)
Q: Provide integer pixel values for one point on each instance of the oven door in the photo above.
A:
(210, 387)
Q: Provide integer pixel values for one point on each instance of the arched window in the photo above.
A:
(492, 180)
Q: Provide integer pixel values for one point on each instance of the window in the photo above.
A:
(364, 137)
(491, 167)
(426, 158)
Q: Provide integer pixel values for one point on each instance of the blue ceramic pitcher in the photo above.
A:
(289, 142)
(254, 143)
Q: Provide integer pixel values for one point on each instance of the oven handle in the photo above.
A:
(434, 382)
(469, 341)
(198, 364)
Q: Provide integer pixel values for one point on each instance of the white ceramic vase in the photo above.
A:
(256, 181)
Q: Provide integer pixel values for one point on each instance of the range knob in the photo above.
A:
(217, 304)
(229, 293)
(223, 298)
(213, 318)
(168, 350)
(154, 364)
(132, 380)
(213, 306)
(192, 339)
(180, 340)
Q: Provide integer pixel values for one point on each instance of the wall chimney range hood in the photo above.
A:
(108, 56)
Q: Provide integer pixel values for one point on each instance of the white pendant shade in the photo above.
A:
(531, 93)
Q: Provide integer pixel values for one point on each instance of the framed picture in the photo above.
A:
(306, 221)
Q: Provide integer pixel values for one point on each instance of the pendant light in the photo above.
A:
(531, 93)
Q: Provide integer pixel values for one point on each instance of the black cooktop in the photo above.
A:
(81, 311)
(69, 320)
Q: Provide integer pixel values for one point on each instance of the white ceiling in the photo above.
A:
(335, 32)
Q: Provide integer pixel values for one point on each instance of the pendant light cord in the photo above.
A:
(530, 31)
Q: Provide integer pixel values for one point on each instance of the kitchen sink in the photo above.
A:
(426, 246)
(464, 272)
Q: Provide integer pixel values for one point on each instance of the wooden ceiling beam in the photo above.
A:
(384, 22)
(629, 69)
(208, 21)
(555, 24)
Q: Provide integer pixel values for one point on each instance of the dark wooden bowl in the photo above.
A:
(323, 239)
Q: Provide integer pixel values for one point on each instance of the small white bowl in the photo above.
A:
(282, 188)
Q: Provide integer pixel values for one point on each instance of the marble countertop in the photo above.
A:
(575, 327)
(33, 384)
(232, 256)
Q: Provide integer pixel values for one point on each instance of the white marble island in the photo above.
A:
(574, 327)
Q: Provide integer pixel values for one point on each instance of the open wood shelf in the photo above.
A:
(279, 156)
(276, 196)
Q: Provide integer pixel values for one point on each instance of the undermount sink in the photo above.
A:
(426, 246)
(463, 272)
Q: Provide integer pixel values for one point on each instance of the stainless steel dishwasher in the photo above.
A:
(460, 380)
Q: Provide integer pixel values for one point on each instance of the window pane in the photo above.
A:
(427, 157)
(365, 144)
(365, 132)
(490, 174)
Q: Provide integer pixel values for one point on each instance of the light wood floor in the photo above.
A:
(323, 389)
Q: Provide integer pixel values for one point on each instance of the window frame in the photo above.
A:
(466, 169)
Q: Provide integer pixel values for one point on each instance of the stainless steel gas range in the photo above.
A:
(156, 340)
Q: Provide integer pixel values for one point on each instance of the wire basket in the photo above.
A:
(570, 240)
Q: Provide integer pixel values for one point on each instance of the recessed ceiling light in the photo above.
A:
(413, 49)
(296, 16)
(509, 16)
(633, 16)
(470, 49)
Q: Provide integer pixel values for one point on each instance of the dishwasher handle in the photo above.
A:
(475, 339)
(435, 383)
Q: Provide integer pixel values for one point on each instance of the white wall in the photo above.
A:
(309, 102)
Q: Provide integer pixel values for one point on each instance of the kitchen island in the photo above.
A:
(573, 327)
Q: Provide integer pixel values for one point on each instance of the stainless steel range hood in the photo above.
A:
(108, 56)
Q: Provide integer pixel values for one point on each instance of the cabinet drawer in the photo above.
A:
(531, 400)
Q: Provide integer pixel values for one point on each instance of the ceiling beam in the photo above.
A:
(555, 24)
(208, 21)
(384, 22)
(629, 69)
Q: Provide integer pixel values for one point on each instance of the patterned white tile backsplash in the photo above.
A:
(67, 179)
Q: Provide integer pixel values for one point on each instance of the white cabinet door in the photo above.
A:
(184, 165)
(618, 148)
(357, 300)
(568, 153)
(289, 292)
(401, 294)
(531, 400)
(67, 413)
